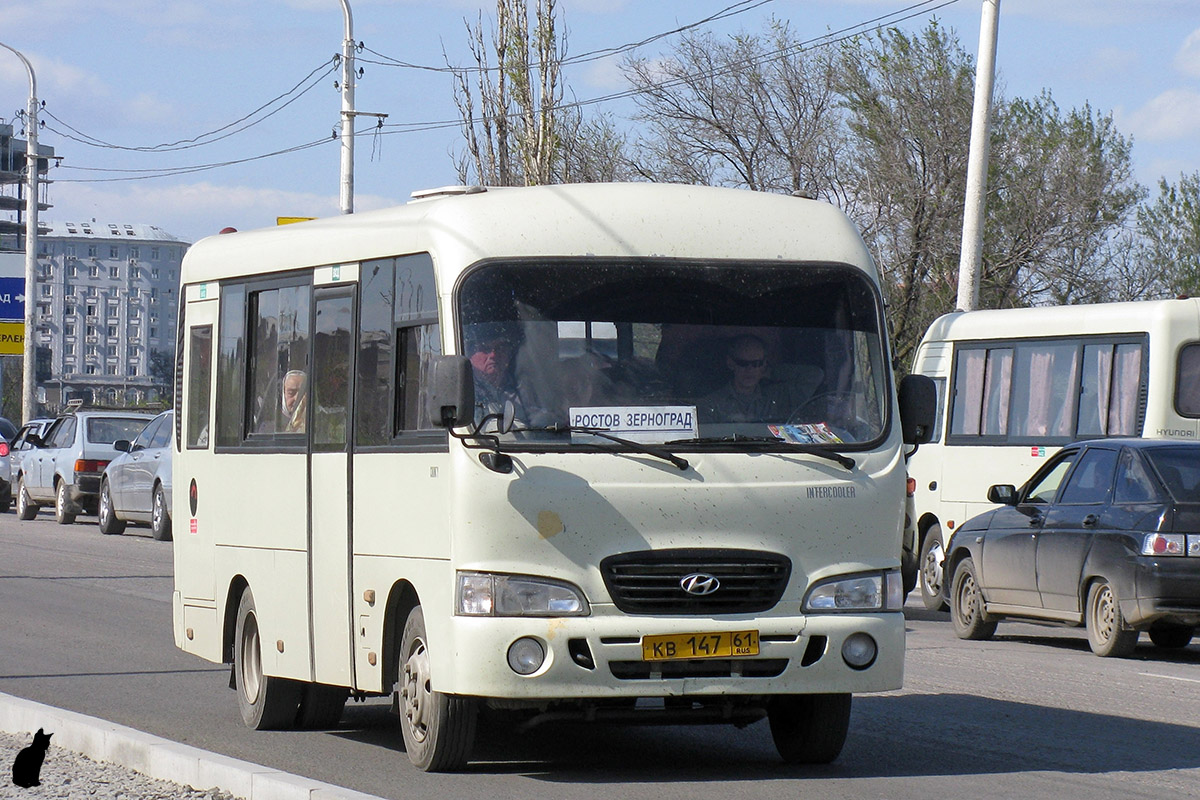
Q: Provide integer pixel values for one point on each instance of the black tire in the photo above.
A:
(160, 515)
(321, 706)
(809, 728)
(966, 604)
(438, 729)
(1172, 637)
(266, 702)
(63, 514)
(26, 508)
(1108, 635)
(106, 515)
(930, 570)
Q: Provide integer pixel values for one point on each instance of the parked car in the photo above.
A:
(64, 466)
(11, 449)
(1105, 535)
(136, 485)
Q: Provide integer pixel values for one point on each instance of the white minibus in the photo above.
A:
(1015, 385)
(601, 452)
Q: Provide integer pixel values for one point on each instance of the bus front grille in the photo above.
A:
(721, 581)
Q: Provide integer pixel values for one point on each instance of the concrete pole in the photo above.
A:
(29, 384)
(348, 47)
(974, 207)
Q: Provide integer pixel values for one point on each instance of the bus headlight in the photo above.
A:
(482, 594)
(875, 592)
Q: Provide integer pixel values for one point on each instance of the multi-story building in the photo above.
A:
(106, 304)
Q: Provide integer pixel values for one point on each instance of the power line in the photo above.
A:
(210, 136)
(592, 55)
(148, 174)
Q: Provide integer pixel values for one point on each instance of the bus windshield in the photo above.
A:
(680, 352)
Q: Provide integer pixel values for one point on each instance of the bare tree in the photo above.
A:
(749, 111)
(510, 106)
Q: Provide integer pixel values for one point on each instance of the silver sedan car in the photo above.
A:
(136, 485)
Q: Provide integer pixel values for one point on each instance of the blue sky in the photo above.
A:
(139, 73)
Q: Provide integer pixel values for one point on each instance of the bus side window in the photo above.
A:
(278, 347)
(199, 385)
(1187, 385)
(416, 345)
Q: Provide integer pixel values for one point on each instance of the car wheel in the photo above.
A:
(107, 516)
(26, 508)
(1107, 633)
(321, 706)
(966, 605)
(160, 515)
(62, 506)
(809, 728)
(931, 574)
(266, 702)
(438, 729)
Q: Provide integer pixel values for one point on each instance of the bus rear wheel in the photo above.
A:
(809, 728)
(930, 573)
(438, 729)
(266, 702)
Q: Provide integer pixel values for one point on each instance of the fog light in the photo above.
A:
(526, 656)
(858, 651)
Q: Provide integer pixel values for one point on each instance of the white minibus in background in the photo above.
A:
(1014, 385)
(601, 452)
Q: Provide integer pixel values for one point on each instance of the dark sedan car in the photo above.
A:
(1105, 535)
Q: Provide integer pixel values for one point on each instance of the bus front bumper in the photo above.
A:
(601, 656)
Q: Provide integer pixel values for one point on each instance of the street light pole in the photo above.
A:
(28, 384)
(974, 207)
(348, 46)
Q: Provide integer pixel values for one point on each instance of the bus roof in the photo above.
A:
(1047, 321)
(612, 220)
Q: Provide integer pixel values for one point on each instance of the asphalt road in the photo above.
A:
(85, 624)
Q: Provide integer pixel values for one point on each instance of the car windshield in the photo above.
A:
(1179, 468)
(669, 351)
(106, 430)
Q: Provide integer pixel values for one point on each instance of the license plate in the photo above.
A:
(729, 644)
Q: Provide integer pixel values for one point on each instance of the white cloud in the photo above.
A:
(1172, 115)
(1187, 60)
(189, 211)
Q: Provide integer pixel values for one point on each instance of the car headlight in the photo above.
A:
(873, 592)
(482, 594)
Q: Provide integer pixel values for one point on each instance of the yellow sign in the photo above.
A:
(291, 220)
(12, 338)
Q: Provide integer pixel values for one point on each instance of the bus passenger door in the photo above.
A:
(329, 543)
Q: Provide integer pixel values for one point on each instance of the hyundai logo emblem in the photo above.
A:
(699, 583)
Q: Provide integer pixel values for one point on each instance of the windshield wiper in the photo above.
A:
(808, 449)
(648, 449)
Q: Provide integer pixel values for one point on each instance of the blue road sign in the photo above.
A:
(12, 299)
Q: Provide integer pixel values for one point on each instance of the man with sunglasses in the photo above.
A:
(745, 398)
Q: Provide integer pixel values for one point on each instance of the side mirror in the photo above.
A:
(918, 408)
(122, 445)
(34, 440)
(1003, 493)
(450, 397)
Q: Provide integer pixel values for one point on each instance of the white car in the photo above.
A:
(136, 485)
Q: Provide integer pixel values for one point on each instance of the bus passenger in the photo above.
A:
(294, 402)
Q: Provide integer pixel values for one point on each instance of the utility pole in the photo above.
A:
(348, 47)
(349, 112)
(28, 385)
(974, 207)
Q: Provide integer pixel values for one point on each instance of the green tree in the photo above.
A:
(1170, 229)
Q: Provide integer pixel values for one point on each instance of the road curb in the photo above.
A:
(163, 759)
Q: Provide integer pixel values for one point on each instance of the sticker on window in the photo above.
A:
(644, 424)
(814, 433)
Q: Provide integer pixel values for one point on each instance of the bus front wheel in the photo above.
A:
(266, 702)
(438, 729)
(809, 728)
